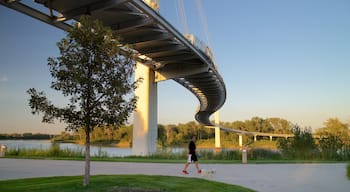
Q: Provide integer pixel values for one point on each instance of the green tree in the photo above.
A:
(124, 134)
(96, 73)
(330, 147)
(171, 132)
(162, 135)
(108, 132)
(279, 125)
(256, 124)
(335, 127)
(334, 139)
(301, 146)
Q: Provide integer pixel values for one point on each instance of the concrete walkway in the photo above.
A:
(260, 177)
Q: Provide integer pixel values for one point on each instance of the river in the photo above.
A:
(45, 144)
(95, 150)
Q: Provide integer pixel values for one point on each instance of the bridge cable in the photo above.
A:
(182, 14)
(203, 21)
(205, 27)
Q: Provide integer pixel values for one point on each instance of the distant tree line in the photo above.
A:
(26, 136)
(180, 134)
(102, 135)
(332, 143)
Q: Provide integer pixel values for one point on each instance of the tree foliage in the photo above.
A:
(96, 74)
(180, 134)
(301, 146)
(330, 147)
(334, 140)
(334, 127)
(304, 145)
(258, 124)
(25, 136)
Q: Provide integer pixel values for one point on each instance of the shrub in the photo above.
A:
(302, 146)
(229, 155)
(168, 155)
(331, 147)
(264, 154)
(54, 150)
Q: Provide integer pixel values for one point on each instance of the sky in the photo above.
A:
(279, 58)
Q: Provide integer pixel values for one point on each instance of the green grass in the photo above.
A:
(205, 156)
(348, 171)
(119, 183)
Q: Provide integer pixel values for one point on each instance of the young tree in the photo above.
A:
(335, 139)
(301, 146)
(96, 75)
(334, 127)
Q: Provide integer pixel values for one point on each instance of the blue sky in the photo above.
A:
(279, 58)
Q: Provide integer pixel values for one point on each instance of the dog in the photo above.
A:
(208, 172)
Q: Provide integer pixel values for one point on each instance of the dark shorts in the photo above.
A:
(194, 158)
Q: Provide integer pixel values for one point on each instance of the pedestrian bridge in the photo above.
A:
(166, 53)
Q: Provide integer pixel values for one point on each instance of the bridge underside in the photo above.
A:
(159, 45)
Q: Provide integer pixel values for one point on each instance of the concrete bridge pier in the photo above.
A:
(240, 140)
(145, 130)
(217, 131)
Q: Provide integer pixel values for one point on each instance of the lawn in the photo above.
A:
(119, 183)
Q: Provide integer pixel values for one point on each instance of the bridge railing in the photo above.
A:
(200, 45)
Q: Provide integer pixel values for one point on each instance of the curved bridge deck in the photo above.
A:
(160, 45)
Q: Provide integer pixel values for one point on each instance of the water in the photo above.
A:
(94, 150)
(46, 144)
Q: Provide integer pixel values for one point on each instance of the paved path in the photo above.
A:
(260, 177)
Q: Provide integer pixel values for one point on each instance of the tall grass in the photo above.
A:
(224, 154)
(202, 155)
(221, 155)
(53, 151)
(101, 153)
(264, 154)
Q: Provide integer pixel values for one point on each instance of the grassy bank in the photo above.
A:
(119, 183)
(227, 154)
(348, 171)
(224, 156)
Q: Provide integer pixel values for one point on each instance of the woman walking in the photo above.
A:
(192, 156)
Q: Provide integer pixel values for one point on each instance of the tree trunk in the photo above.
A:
(87, 157)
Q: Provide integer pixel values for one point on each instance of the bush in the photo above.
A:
(229, 155)
(54, 150)
(301, 147)
(202, 155)
(264, 154)
(168, 155)
(331, 147)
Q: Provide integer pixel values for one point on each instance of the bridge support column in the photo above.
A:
(217, 131)
(145, 130)
(240, 140)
